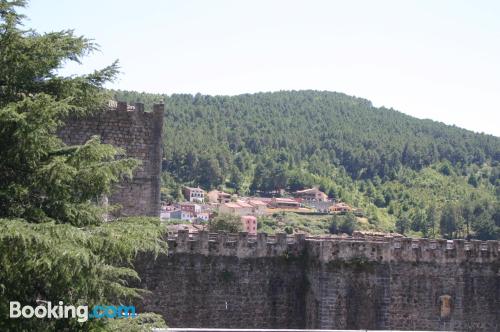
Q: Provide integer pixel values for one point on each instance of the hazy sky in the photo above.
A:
(430, 59)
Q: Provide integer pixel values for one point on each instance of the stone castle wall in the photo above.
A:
(242, 281)
(139, 133)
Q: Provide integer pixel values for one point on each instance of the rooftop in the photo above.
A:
(306, 191)
(222, 193)
(243, 204)
(232, 205)
(256, 202)
(188, 203)
(194, 189)
(286, 200)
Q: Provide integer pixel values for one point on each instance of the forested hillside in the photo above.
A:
(415, 176)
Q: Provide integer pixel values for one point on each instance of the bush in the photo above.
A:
(334, 226)
(225, 222)
(349, 224)
(345, 224)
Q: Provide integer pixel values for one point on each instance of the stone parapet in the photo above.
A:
(377, 249)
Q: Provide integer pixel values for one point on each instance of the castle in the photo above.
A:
(140, 134)
(263, 281)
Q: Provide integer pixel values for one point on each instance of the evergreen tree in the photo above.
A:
(449, 223)
(432, 222)
(54, 242)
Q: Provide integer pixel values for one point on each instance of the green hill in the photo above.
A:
(412, 175)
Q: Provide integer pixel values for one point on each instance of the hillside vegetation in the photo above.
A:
(418, 177)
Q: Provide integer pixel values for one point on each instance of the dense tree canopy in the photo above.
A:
(310, 125)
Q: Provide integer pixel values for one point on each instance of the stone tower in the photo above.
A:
(140, 134)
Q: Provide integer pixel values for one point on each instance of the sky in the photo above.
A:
(435, 60)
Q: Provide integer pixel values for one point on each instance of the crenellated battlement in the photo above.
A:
(123, 106)
(281, 281)
(327, 249)
(240, 245)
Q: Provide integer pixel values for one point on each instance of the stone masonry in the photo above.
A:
(139, 133)
(242, 281)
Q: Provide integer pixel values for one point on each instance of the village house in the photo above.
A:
(190, 207)
(312, 194)
(171, 214)
(187, 216)
(238, 208)
(319, 206)
(259, 208)
(249, 224)
(340, 208)
(194, 212)
(194, 194)
(284, 203)
(216, 196)
(203, 216)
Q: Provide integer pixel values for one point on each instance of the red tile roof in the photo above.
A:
(243, 204)
(256, 202)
